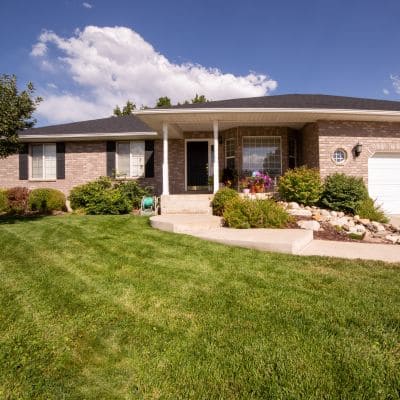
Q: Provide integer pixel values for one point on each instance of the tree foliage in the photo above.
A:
(16, 109)
(127, 109)
(199, 99)
(163, 102)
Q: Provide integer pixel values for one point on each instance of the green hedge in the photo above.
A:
(245, 213)
(105, 196)
(302, 185)
(3, 201)
(344, 193)
(46, 200)
(221, 198)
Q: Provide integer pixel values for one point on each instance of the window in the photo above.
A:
(131, 159)
(262, 153)
(44, 162)
(339, 156)
(230, 153)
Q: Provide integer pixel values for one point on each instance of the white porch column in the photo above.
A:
(216, 157)
(165, 171)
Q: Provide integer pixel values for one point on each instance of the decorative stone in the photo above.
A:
(365, 221)
(378, 227)
(293, 205)
(339, 221)
(325, 213)
(356, 218)
(309, 225)
(317, 216)
(307, 208)
(340, 214)
(357, 229)
(334, 213)
(393, 238)
(300, 212)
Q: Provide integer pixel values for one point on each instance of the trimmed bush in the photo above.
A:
(245, 213)
(302, 185)
(17, 198)
(368, 209)
(133, 192)
(3, 201)
(221, 198)
(105, 196)
(46, 200)
(111, 201)
(344, 193)
(83, 195)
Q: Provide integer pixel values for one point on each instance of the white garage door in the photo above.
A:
(384, 180)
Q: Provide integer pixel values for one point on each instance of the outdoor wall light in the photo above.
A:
(358, 149)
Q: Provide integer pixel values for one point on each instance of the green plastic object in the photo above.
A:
(148, 202)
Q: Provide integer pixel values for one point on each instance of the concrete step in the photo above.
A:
(186, 204)
(185, 223)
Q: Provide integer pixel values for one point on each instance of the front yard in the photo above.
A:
(104, 307)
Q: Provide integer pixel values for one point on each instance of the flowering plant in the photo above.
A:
(257, 182)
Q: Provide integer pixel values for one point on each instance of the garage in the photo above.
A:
(384, 181)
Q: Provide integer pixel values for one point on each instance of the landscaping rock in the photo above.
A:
(339, 221)
(300, 212)
(334, 213)
(365, 221)
(325, 213)
(293, 205)
(359, 229)
(377, 226)
(309, 225)
(393, 238)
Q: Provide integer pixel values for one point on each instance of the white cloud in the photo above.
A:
(87, 5)
(113, 64)
(396, 82)
(385, 91)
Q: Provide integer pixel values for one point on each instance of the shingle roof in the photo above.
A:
(124, 124)
(317, 101)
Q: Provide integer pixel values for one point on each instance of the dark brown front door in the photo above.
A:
(197, 165)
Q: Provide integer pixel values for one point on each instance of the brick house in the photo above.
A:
(173, 149)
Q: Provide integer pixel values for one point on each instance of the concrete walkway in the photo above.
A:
(292, 241)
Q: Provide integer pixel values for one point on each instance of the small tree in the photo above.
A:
(199, 99)
(16, 109)
(163, 102)
(127, 109)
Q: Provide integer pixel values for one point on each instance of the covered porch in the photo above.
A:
(198, 148)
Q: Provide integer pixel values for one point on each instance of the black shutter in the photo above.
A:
(111, 146)
(60, 146)
(23, 162)
(149, 158)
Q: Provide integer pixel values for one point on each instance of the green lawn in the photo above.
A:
(105, 307)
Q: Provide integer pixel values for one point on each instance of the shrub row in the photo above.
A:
(339, 192)
(20, 200)
(105, 196)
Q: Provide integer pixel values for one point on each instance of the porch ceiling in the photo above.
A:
(181, 120)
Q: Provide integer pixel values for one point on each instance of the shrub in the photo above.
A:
(368, 209)
(46, 200)
(83, 195)
(3, 201)
(104, 196)
(17, 198)
(133, 192)
(245, 213)
(111, 201)
(222, 197)
(302, 185)
(343, 193)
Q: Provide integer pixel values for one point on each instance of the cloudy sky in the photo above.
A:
(86, 57)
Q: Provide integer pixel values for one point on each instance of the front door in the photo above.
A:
(197, 165)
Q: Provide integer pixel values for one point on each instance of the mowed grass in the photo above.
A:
(105, 307)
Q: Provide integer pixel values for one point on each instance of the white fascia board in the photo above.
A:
(268, 110)
(86, 136)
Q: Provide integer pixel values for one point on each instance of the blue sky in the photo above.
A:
(273, 47)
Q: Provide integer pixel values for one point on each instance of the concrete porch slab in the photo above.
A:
(290, 241)
(352, 250)
(208, 227)
(185, 223)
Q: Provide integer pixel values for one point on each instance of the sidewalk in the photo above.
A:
(291, 241)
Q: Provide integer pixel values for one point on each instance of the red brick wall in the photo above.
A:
(374, 136)
(84, 161)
